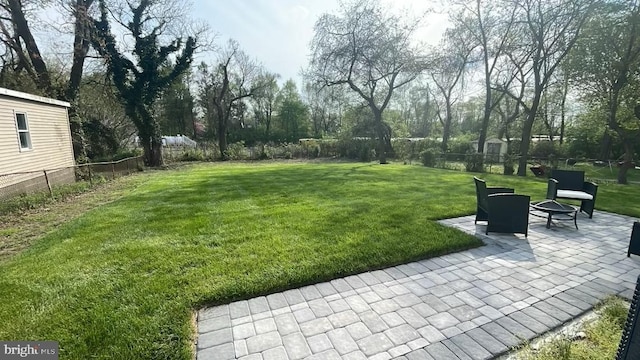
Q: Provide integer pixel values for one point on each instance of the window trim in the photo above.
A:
(19, 131)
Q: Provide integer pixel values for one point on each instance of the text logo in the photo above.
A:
(30, 350)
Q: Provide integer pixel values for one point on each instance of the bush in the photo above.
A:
(311, 148)
(458, 148)
(236, 151)
(328, 148)
(284, 151)
(474, 162)
(357, 149)
(406, 150)
(193, 155)
(429, 157)
(546, 150)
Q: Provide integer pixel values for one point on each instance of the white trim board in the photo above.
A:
(31, 97)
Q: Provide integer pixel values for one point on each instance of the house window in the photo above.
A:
(23, 131)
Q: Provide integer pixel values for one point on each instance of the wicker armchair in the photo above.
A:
(508, 213)
(482, 198)
(570, 184)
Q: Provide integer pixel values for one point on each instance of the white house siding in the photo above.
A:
(51, 147)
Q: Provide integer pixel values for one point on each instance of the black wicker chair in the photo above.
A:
(482, 196)
(570, 184)
(508, 213)
(629, 347)
(634, 242)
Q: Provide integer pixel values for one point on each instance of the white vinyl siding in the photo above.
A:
(22, 126)
(49, 137)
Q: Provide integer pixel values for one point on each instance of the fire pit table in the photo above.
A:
(554, 210)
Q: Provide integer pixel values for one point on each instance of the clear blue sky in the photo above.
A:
(278, 32)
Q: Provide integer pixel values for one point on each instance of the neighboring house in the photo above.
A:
(494, 149)
(34, 137)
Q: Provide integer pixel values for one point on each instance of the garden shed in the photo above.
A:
(494, 149)
(34, 137)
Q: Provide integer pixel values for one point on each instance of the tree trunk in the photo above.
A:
(146, 149)
(23, 31)
(605, 146)
(526, 134)
(563, 105)
(628, 147)
(487, 108)
(222, 138)
(446, 129)
(627, 163)
(78, 140)
(383, 137)
(156, 153)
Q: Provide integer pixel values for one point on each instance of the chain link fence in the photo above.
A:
(45, 180)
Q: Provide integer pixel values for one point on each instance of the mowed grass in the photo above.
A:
(123, 280)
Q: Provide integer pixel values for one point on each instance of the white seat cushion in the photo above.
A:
(573, 194)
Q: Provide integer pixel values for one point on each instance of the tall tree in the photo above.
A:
(448, 67)
(548, 29)
(490, 25)
(140, 83)
(27, 58)
(293, 114)
(368, 49)
(326, 106)
(606, 64)
(232, 80)
(264, 101)
(177, 104)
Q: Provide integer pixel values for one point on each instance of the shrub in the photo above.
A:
(429, 157)
(328, 148)
(458, 148)
(406, 149)
(236, 151)
(357, 149)
(193, 155)
(474, 162)
(311, 148)
(544, 150)
(284, 151)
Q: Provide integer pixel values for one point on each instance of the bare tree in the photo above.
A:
(490, 24)
(369, 50)
(264, 100)
(447, 71)
(233, 79)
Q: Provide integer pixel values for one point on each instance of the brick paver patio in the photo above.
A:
(475, 304)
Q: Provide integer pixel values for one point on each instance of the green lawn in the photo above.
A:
(122, 280)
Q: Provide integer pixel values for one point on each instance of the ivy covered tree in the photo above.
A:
(141, 78)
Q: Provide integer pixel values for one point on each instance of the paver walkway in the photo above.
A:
(475, 304)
